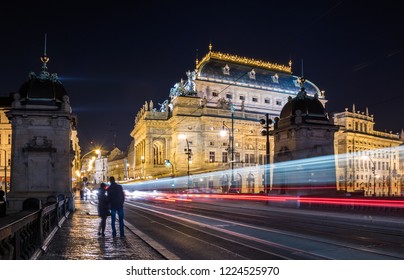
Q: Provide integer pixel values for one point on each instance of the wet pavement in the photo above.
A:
(78, 239)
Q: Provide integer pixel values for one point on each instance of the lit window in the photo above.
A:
(252, 158)
(225, 156)
(211, 156)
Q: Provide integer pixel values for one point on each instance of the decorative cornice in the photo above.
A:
(244, 60)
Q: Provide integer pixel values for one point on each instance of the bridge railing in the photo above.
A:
(30, 231)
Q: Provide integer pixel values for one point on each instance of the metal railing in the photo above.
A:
(29, 233)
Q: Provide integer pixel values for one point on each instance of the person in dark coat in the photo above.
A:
(116, 198)
(103, 208)
(3, 206)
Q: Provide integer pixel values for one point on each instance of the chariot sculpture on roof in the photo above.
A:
(182, 88)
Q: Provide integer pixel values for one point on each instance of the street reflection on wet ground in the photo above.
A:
(78, 239)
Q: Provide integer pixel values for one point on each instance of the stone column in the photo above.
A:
(41, 151)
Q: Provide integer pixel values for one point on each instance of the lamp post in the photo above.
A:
(230, 150)
(265, 132)
(188, 152)
(5, 172)
(169, 163)
(126, 169)
(142, 159)
(232, 145)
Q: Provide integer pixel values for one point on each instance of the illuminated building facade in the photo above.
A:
(5, 142)
(368, 160)
(225, 92)
(117, 165)
(400, 175)
(76, 159)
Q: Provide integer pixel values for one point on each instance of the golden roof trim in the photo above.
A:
(244, 60)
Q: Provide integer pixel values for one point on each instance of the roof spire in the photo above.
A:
(44, 58)
(210, 46)
(197, 60)
(302, 80)
(302, 93)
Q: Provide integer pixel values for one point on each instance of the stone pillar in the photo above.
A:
(41, 151)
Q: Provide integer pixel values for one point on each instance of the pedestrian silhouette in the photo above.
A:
(3, 206)
(116, 198)
(103, 208)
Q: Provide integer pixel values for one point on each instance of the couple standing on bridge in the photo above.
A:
(110, 202)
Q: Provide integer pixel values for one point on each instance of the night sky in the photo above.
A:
(112, 57)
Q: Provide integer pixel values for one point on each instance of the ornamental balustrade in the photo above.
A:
(26, 235)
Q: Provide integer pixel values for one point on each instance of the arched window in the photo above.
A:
(250, 183)
(159, 152)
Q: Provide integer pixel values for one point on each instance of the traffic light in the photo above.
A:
(189, 153)
(266, 124)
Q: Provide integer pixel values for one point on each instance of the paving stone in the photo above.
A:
(78, 239)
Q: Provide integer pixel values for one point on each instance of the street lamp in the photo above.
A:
(5, 172)
(142, 159)
(232, 146)
(188, 152)
(231, 143)
(265, 132)
(230, 149)
(169, 163)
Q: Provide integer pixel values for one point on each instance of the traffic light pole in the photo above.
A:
(266, 122)
(267, 185)
(232, 184)
(188, 159)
